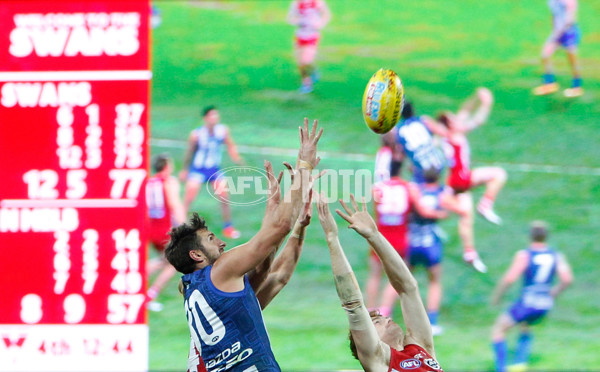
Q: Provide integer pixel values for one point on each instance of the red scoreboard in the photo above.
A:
(74, 109)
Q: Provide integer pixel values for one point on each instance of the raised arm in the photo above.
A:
(372, 352)
(472, 119)
(565, 276)
(513, 273)
(284, 265)
(435, 127)
(280, 215)
(418, 329)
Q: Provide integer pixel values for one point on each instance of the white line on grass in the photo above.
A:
(523, 167)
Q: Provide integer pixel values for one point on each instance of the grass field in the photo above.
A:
(237, 54)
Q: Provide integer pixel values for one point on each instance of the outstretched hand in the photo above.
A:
(325, 217)
(307, 156)
(485, 96)
(360, 220)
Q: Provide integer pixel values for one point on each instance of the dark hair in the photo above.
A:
(407, 110)
(208, 109)
(353, 349)
(538, 231)
(183, 240)
(160, 162)
(443, 118)
(395, 168)
(431, 175)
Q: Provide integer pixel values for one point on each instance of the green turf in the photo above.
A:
(237, 54)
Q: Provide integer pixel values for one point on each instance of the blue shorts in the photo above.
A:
(570, 38)
(202, 175)
(520, 313)
(426, 256)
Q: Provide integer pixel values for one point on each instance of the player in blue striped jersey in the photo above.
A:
(202, 164)
(417, 144)
(538, 265)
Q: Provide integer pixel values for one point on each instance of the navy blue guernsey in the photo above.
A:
(417, 143)
(423, 232)
(227, 328)
(538, 278)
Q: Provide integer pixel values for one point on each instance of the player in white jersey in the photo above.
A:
(203, 162)
(309, 17)
(565, 33)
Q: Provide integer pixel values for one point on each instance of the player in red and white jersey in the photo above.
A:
(378, 342)
(165, 210)
(309, 17)
(453, 128)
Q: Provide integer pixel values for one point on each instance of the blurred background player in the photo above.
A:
(416, 142)
(426, 238)
(165, 210)
(453, 128)
(309, 17)
(565, 33)
(393, 200)
(203, 161)
(378, 342)
(538, 265)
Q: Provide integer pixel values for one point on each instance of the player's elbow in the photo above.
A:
(408, 286)
(567, 279)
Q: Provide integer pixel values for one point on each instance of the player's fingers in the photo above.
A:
(364, 204)
(317, 161)
(301, 135)
(269, 170)
(321, 173)
(346, 208)
(313, 131)
(279, 177)
(343, 215)
(318, 136)
(354, 204)
(290, 169)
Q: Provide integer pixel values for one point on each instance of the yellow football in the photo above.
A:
(383, 101)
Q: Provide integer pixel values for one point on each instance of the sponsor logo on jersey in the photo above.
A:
(432, 363)
(410, 364)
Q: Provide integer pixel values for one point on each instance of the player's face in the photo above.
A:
(213, 246)
(388, 331)
(212, 117)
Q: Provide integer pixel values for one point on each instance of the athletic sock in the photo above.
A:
(523, 348)
(577, 82)
(226, 224)
(433, 317)
(500, 351)
(549, 78)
